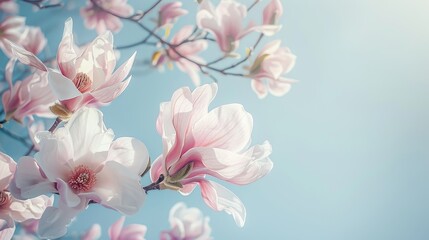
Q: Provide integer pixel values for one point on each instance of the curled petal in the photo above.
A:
(221, 199)
(26, 57)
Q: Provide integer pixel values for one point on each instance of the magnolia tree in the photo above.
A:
(78, 160)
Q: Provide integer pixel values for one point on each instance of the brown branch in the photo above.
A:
(39, 4)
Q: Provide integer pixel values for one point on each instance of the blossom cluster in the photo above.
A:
(78, 159)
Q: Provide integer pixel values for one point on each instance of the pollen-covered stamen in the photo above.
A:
(82, 179)
(4, 198)
(82, 82)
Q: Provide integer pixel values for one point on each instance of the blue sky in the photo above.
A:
(349, 141)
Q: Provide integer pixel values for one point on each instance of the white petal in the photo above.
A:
(62, 87)
(119, 188)
(30, 181)
(131, 153)
(54, 221)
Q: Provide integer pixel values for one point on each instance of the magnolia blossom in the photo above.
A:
(267, 68)
(197, 143)
(271, 16)
(31, 96)
(187, 223)
(132, 232)
(33, 40)
(82, 164)
(93, 233)
(100, 20)
(169, 12)
(11, 29)
(225, 23)
(8, 6)
(180, 52)
(11, 209)
(85, 76)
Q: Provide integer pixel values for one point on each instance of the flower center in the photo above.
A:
(4, 198)
(82, 179)
(82, 82)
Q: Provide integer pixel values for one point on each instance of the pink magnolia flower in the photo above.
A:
(82, 164)
(31, 96)
(100, 20)
(93, 233)
(131, 232)
(8, 6)
(11, 209)
(188, 50)
(187, 223)
(199, 143)
(85, 76)
(272, 13)
(11, 29)
(33, 40)
(266, 70)
(169, 12)
(225, 23)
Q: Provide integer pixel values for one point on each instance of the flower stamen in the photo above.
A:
(82, 82)
(82, 179)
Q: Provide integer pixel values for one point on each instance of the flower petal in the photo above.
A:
(54, 221)
(131, 153)
(221, 199)
(7, 169)
(115, 229)
(29, 181)
(118, 188)
(62, 87)
(228, 127)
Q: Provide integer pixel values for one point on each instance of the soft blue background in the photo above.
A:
(350, 141)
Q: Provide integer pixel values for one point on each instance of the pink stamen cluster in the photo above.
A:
(82, 179)
(82, 82)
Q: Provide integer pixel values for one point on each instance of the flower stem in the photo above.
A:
(155, 185)
(55, 125)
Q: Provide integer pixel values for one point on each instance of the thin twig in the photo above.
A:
(39, 4)
(12, 135)
(253, 4)
(151, 8)
(172, 47)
